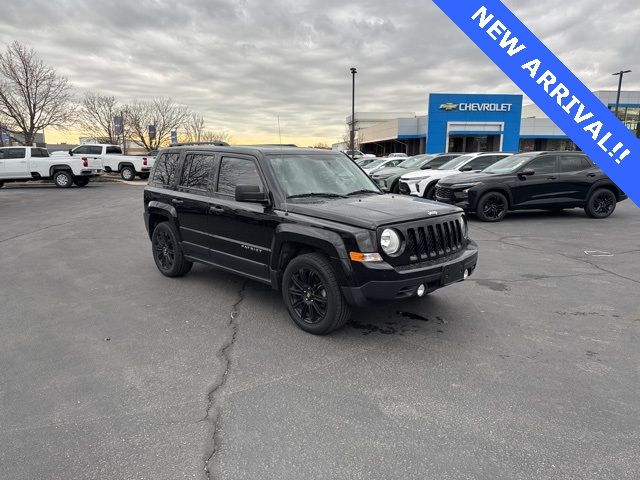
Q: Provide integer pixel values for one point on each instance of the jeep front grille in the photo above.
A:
(435, 240)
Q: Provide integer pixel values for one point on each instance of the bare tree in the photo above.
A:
(193, 129)
(96, 116)
(165, 114)
(322, 145)
(32, 95)
(209, 136)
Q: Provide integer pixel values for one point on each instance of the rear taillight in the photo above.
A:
(144, 160)
(85, 162)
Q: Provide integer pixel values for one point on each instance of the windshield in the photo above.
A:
(366, 162)
(376, 163)
(510, 164)
(456, 163)
(415, 162)
(323, 175)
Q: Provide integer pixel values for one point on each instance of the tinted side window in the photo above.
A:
(15, 153)
(82, 150)
(543, 165)
(196, 171)
(165, 169)
(114, 150)
(573, 163)
(39, 152)
(95, 150)
(237, 171)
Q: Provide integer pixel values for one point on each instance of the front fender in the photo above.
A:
(328, 242)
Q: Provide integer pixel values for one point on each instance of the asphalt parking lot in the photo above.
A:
(529, 370)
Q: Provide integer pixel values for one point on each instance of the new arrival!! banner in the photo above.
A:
(552, 86)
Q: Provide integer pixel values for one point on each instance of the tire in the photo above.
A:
(81, 181)
(492, 207)
(62, 179)
(167, 252)
(395, 188)
(128, 173)
(601, 203)
(144, 176)
(430, 193)
(1, 184)
(312, 295)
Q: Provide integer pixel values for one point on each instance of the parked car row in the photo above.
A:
(77, 166)
(490, 184)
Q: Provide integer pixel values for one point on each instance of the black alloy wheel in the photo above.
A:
(308, 295)
(601, 203)
(492, 207)
(312, 294)
(167, 252)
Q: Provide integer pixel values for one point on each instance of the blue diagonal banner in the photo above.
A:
(552, 86)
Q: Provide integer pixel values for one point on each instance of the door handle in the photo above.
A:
(591, 174)
(552, 178)
(176, 201)
(216, 210)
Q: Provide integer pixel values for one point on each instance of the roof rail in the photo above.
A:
(187, 144)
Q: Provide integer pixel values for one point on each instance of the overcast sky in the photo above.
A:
(243, 62)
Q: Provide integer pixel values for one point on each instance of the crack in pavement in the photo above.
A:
(225, 358)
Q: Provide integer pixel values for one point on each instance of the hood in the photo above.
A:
(468, 178)
(372, 211)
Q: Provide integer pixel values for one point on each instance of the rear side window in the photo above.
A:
(95, 150)
(15, 153)
(237, 171)
(196, 171)
(114, 151)
(574, 163)
(39, 152)
(546, 164)
(165, 169)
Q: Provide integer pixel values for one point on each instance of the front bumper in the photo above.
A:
(459, 198)
(393, 284)
(410, 187)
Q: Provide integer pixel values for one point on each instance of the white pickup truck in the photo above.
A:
(128, 166)
(19, 164)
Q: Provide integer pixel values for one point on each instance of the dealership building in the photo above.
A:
(476, 122)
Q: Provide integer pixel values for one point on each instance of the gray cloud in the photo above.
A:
(241, 63)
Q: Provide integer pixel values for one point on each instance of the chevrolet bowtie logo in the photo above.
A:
(449, 106)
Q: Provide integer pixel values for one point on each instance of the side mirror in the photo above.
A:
(527, 172)
(71, 152)
(250, 193)
(466, 168)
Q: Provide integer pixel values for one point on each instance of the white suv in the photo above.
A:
(422, 183)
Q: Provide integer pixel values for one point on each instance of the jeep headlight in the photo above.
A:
(464, 225)
(390, 241)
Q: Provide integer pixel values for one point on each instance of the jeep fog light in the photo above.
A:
(421, 290)
(390, 241)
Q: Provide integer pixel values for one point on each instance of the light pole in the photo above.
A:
(620, 74)
(353, 112)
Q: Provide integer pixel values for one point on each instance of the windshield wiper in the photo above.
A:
(318, 194)
(358, 192)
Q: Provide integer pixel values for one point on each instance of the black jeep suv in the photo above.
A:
(307, 222)
(534, 180)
